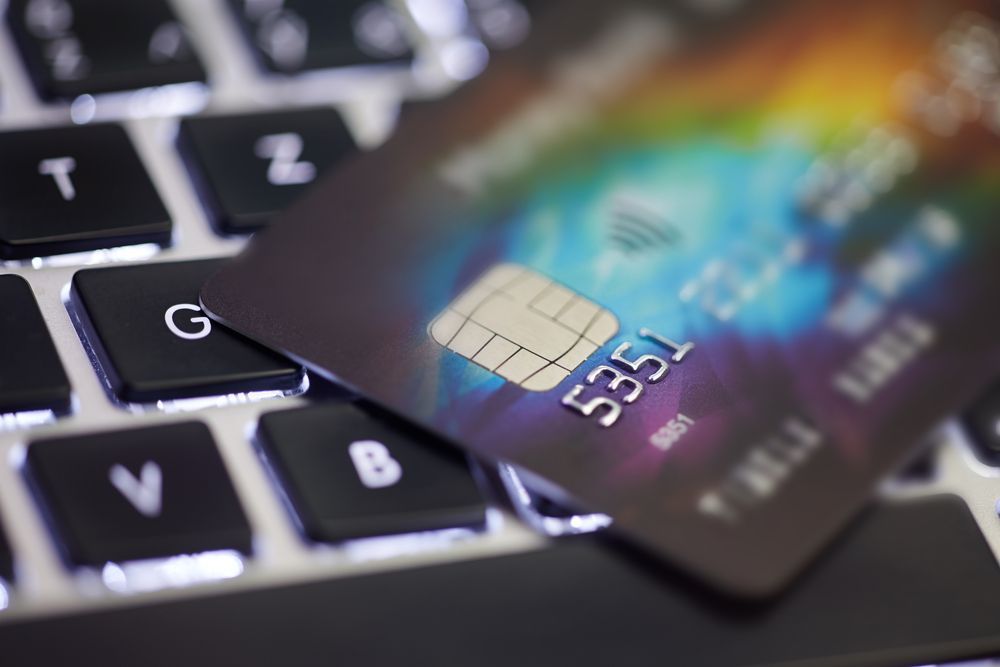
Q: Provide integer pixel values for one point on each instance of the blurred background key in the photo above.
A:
(77, 47)
(6, 562)
(982, 422)
(293, 35)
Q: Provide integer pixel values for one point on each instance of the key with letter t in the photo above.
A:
(72, 189)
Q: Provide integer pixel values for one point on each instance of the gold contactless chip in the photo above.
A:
(524, 327)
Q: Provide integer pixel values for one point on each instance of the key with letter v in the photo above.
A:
(145, 493)
(180, 499)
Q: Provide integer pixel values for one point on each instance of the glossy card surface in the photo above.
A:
(712, 273)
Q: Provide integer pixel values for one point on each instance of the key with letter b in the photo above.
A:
(351, 475)
(374, 464)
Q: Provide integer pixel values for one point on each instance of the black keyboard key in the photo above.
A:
(250, 167)
(294, 35)
(501, 24)
(31, 374)
(142, 493)
(76, 47)
(154, 343)
(912, 584)
(983, 424)
(350, 475)
(6, 559)
(72, 189)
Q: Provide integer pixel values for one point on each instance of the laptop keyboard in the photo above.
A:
(144, 446)
(134, 431)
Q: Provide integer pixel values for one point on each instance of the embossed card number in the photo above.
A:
(615, 379)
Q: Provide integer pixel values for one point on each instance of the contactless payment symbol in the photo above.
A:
(524, 327)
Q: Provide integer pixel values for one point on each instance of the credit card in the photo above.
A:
(711, 273)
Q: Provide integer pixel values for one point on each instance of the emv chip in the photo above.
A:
(524, 327)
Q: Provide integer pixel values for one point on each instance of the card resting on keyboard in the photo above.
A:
(712, 275)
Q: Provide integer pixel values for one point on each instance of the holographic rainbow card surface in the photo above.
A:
(712, 274)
